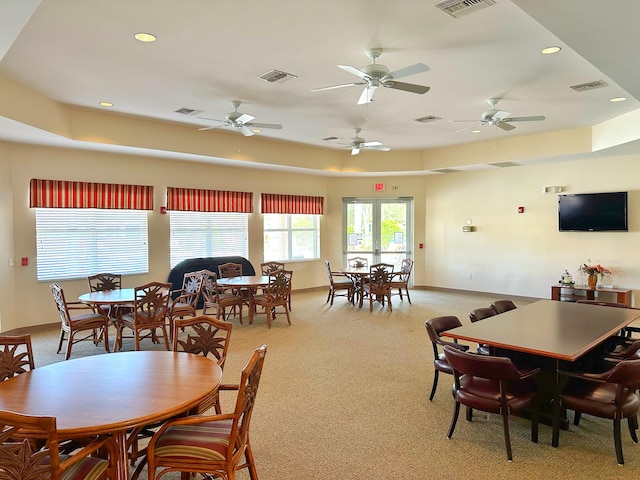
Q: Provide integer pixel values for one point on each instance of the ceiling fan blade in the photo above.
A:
(406, 71)
(338, 86)
(355, 150)
(407, 87)
(244, 130)
(367, 95)
(505, 126)
(244, 118)
(534, 118)
(354, 71)
(380, 148)
(263, 125)
(371, 144)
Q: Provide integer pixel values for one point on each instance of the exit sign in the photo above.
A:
(378, 187)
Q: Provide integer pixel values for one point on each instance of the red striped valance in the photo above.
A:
(197, 200)
(65, 194)
(296, 204)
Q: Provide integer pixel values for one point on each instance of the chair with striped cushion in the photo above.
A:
(20, 460)
(217, 445)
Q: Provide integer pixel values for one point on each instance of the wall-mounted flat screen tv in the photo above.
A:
(593, 212)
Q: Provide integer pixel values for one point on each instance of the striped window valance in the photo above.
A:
(296, 204)
(66, 194)
(199, 200)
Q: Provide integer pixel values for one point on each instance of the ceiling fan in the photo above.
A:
(240, 121)
(358, 143)
(500, 118)
(375, 75)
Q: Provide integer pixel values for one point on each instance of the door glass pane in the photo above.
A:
(393, 233)
(359, 232)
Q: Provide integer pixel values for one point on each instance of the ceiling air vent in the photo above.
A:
(331, 139)
(445, 170)
(428, 118)
(188, 111)
(590, 86)
(459, 8)
(274, 76)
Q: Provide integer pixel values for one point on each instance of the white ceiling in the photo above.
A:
(209, 53)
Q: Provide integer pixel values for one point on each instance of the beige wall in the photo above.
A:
(510, 253)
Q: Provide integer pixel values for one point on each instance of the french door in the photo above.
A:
(379, 230)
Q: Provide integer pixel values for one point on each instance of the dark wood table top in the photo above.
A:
(559, 330)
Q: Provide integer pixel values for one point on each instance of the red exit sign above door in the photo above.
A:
(378, 187)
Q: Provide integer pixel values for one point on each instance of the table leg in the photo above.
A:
(122, 461)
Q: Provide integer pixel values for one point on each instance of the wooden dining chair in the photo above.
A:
(88, 325)
(378, 286)
(358, 262)
(19, 460)
(339, 282)
(184, 302)
(16, 355)
(102, 282)
(150, 306)
(494, 385)
(400, 280)
(213, 445)
(270, 267)
(218, 299)
(275, 294)
(206, 336)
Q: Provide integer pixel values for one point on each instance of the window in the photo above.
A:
(208, 234)
(78, 242)
(291, 237)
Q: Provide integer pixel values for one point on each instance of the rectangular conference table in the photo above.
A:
(549, 331)
(548, 328)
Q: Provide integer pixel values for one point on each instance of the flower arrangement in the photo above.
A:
(594, 269)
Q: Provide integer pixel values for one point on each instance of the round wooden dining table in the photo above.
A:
(113, 393)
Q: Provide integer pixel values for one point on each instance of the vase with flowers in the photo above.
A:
(592, 271)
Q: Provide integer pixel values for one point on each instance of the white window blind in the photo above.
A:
(208, 234)
(78, 242)
(291, 237)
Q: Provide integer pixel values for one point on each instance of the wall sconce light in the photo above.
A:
(552, 189)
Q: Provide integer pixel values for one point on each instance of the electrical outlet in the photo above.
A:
(10, 262)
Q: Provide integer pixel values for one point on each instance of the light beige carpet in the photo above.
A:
(344, 395)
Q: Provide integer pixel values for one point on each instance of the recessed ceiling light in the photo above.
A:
(145, 37)
(550, 50)
(476, 131)
(106, 104)
(617, 99)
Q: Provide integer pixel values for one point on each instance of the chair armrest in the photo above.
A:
(102, 442)
(227, 386)
(456, 345)
(594, 377)
(528, 373)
